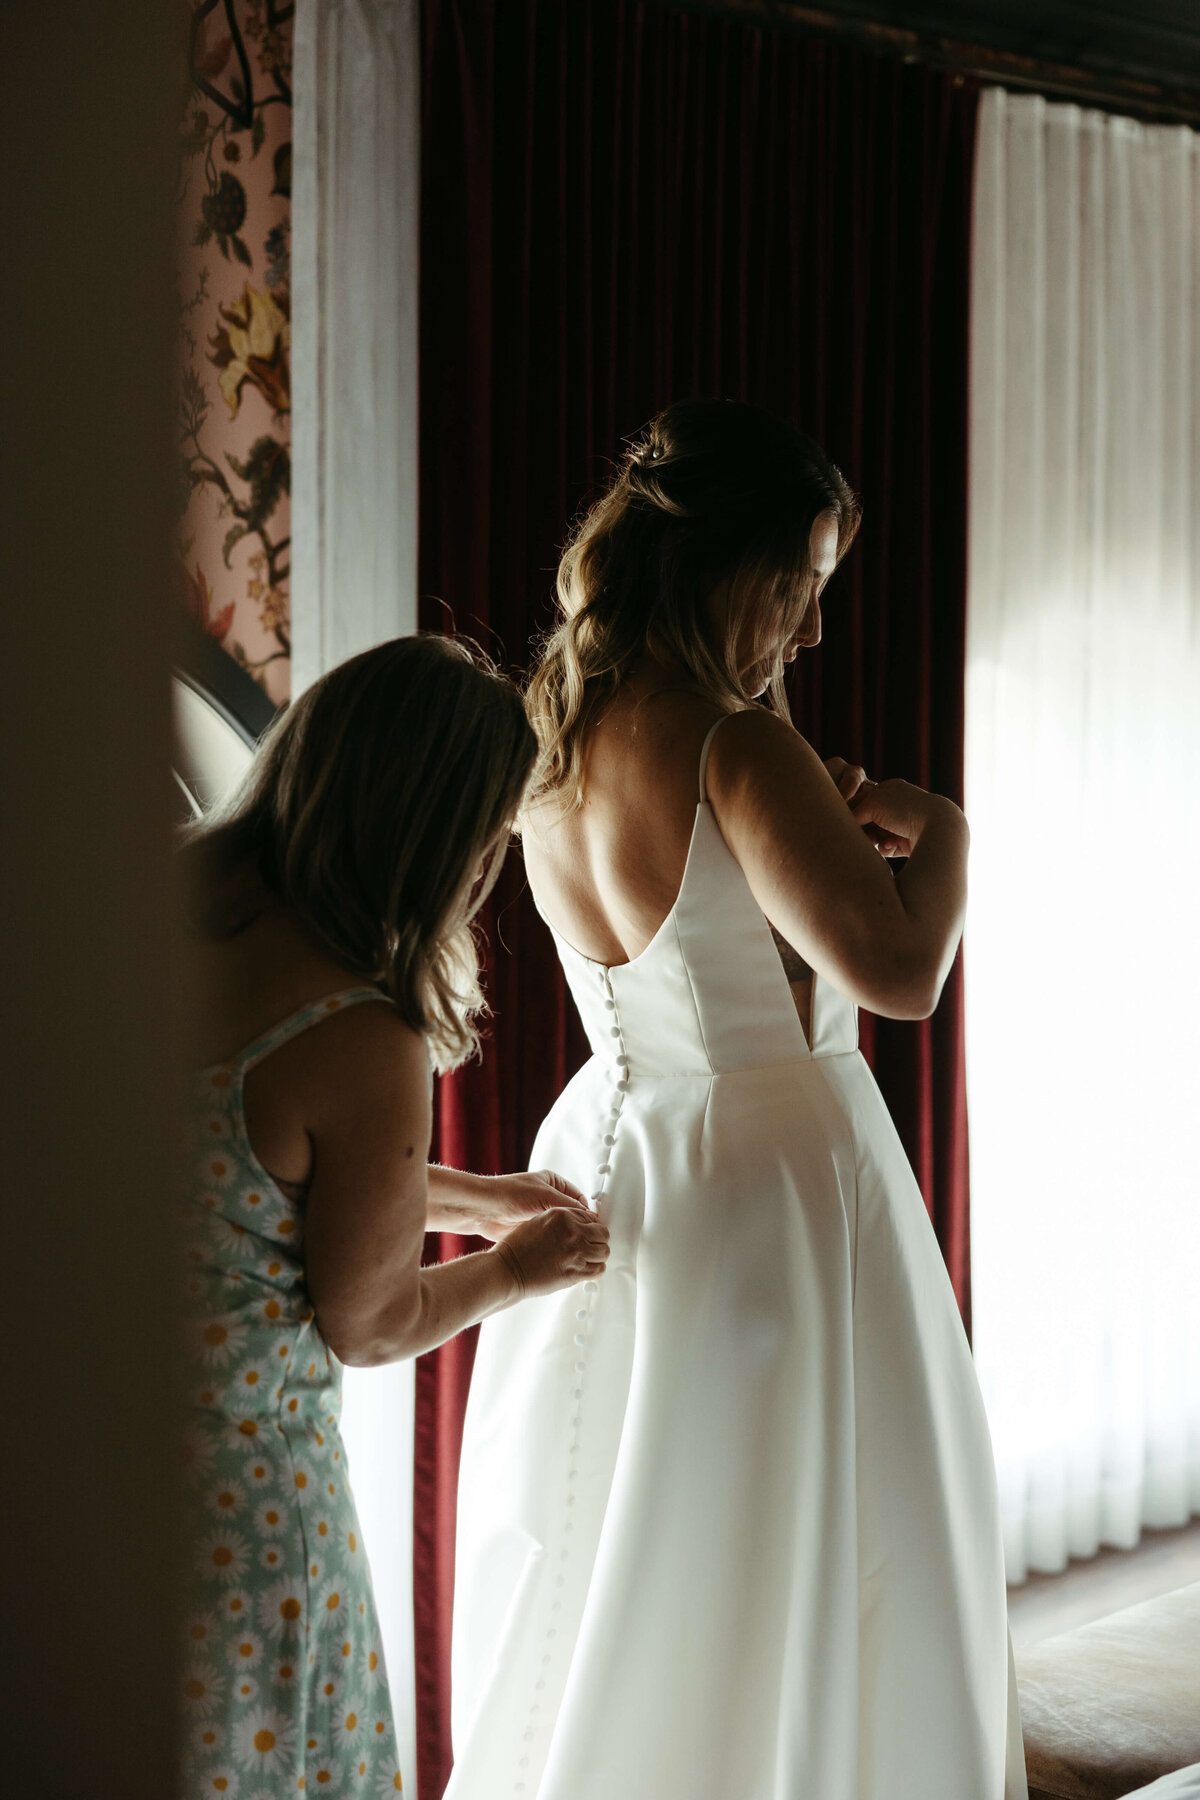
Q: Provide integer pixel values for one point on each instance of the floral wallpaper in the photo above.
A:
(235, 388)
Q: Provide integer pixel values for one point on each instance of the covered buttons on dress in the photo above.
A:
(618, 1070)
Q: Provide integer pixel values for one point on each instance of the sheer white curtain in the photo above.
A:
(354, 549)
(1083, 790)
(354, 332)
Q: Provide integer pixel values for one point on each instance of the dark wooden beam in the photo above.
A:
(1090, 78)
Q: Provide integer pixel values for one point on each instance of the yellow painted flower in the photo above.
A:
(254, 345)
(274, 608)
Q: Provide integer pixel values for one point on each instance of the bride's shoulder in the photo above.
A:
(754, 731)
(756, 749)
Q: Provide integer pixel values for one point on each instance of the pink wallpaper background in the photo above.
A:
(235, 388)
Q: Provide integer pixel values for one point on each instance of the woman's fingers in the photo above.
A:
(556, 1249)
(527, 1195)
(562, 1190)
(848, 777)
(506, 1202)
(857, 789)
(897, 809)
(888, 843)
(593, 1246)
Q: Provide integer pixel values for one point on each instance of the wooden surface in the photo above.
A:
(1047, 1605)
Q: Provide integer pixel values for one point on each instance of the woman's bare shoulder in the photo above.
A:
(365, 1055)
(265, 973)
(756, 749)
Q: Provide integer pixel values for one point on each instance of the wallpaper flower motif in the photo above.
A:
(235, 313)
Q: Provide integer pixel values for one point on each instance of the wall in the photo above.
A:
(235, 323)
(86, 918)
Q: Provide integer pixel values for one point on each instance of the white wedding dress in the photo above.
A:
(728, 1524)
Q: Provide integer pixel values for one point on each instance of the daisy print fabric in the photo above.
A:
(284, 1689)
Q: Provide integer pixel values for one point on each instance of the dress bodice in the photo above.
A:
(708, 994)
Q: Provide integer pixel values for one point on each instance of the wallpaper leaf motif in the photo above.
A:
(235, 331)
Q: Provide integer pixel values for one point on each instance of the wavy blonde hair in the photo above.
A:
(377, 810)
(711, 492)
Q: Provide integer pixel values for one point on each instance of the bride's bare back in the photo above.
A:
(606, 874)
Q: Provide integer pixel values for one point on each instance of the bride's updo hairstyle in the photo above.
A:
(377, 810)
(712, 493)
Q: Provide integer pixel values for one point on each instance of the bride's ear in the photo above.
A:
(823, 544)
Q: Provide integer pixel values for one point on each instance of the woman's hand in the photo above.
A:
(891, 813)
(557, 1249)
(895, 813)
(507, 1201)
(847, 777)
(491, 1206)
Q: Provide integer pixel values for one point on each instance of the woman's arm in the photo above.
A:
(369, 1118)
(885, 941)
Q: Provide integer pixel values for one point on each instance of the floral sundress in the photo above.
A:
(284, 1686)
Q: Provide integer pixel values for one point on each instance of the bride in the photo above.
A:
(727, 1522)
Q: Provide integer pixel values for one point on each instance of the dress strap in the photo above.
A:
(301, 1020)
(704, 749)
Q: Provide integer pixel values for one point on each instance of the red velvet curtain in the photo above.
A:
(624, 204)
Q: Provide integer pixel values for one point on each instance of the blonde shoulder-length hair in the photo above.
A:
(377, 810)
(710, 493)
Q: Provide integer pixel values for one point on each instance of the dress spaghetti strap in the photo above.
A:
(704, 749)
(301, 1020)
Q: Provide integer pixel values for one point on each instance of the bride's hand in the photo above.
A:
(892, 813)
(503, 1202)
(847, 777)
(895, 813)
(855, 789)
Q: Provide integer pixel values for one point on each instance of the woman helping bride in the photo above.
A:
(728, 1525)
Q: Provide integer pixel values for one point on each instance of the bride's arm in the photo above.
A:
(885, 941)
